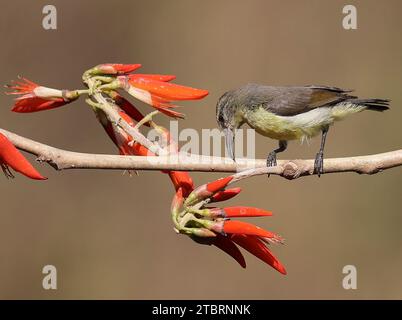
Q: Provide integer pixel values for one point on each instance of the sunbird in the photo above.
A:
(288, 113)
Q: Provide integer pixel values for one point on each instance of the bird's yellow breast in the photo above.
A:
(273, 126)
(300, 126)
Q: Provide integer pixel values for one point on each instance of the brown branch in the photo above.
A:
(244, 168)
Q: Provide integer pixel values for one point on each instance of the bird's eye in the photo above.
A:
(220, 118)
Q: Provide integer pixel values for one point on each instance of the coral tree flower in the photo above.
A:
(11, 157)
(153, 89)
(156, 91)
(114, 68)
(216, 225)
(38, 98)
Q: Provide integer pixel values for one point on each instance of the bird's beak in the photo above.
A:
(229, 141)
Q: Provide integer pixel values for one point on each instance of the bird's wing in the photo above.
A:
(289, 101)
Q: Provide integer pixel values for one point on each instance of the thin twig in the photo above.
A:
(244, 168)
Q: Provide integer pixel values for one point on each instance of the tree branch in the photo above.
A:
(244, 168)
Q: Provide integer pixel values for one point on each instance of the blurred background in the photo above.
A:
(111, 237)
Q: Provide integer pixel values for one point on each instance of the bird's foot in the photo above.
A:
(319, 163)
(271, 159)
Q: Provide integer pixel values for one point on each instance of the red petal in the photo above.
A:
(158, 77)
(165, 107)
(182, 179)
(170, 113)
(110, 132)
(225, 194)
(10, 156)
(127, 118)
(140, 150)
(225, 244)
(168, 91)
(241, 227)
(178, 200)
(256, 247)
(219, 184)
(37, 104)
(117, 68)
(246, 212)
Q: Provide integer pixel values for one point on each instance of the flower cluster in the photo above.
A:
(153, 89)
(213, 225)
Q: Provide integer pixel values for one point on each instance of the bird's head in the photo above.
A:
(226, 110)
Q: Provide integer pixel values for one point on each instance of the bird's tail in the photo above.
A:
(372, 104)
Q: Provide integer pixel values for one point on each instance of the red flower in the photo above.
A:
(225, 194)
(214, 225)
(233, 212)
(155, 91)
(207, 190)
(37, 98)
(158, 77)
(226, 244)
(11, 157)
(115, 68)
(256, 247)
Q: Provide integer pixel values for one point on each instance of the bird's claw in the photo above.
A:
(271, 159)
(319, 163)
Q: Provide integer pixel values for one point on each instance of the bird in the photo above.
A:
(288, 113)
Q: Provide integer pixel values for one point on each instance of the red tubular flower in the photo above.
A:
(256, 247)
(159, 94)
(208, 190)
(115, 68)
(167, 91)
(182, 179)
(218, 185)
(177, 201)
(235, 212)
(227, 245)
(11, 157)
(158, 77)
(231, 212)
(240, 227)
(38, 98)
(225, 194)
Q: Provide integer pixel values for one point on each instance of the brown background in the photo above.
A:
(110, 236)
